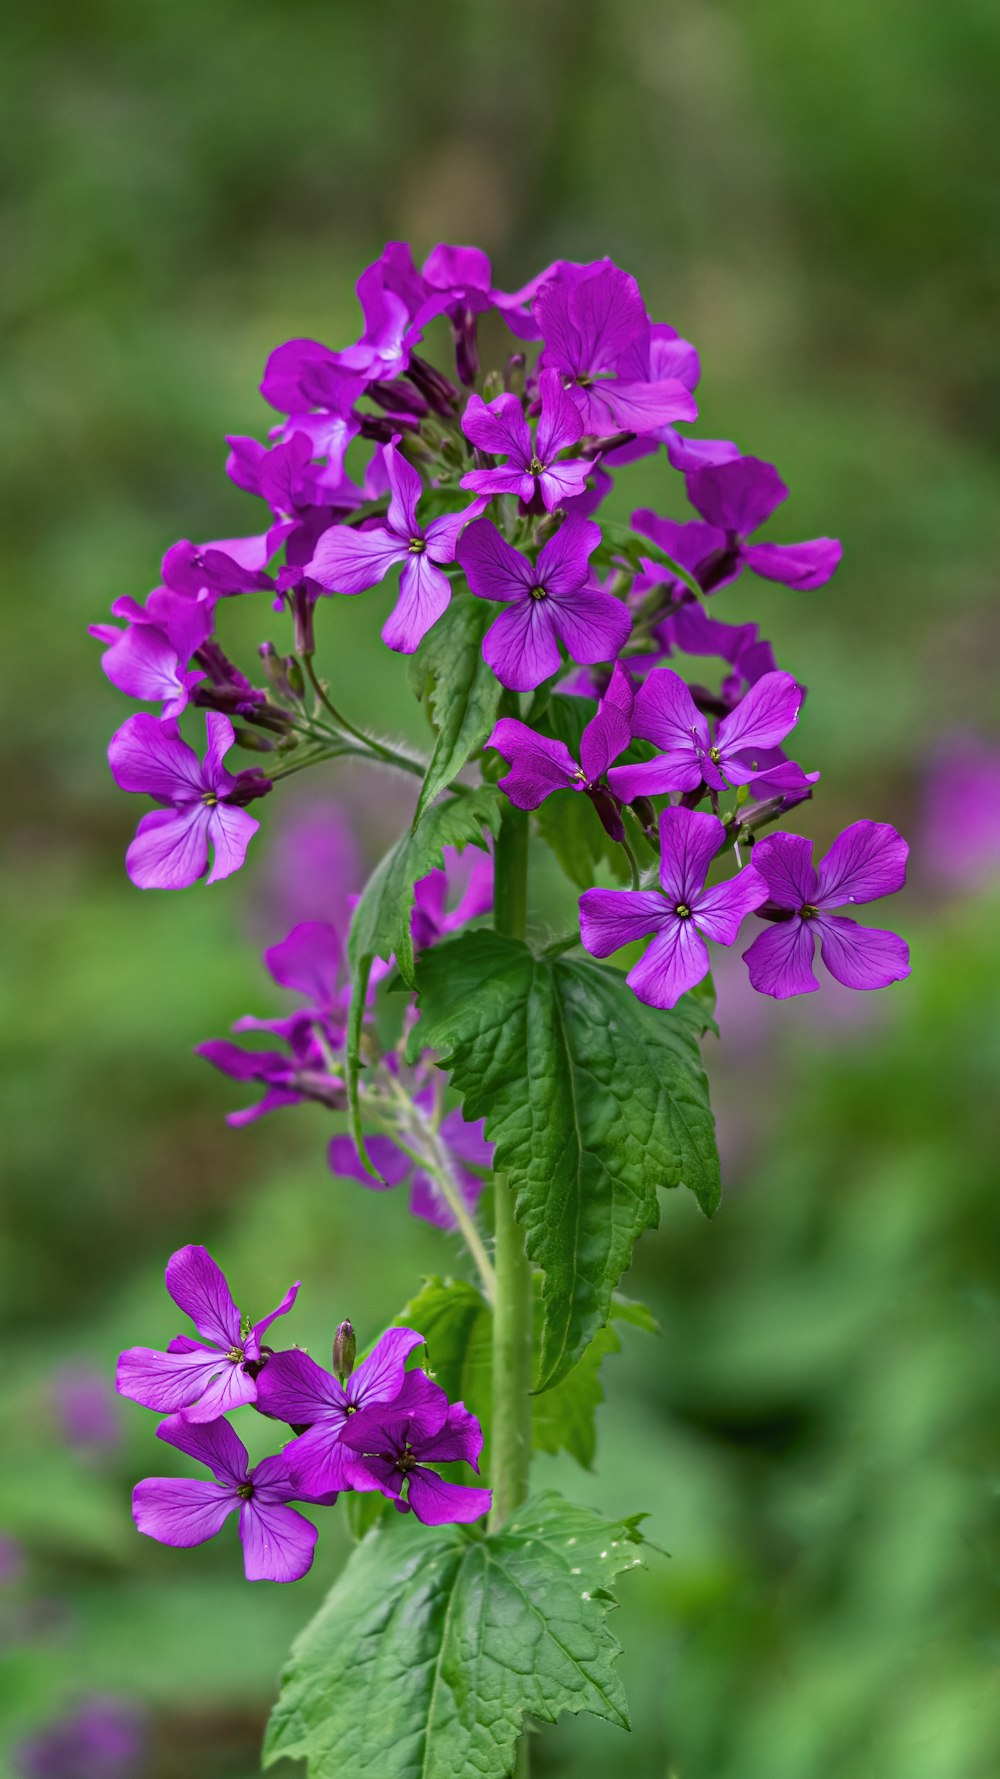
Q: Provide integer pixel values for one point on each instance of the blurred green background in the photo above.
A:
(810, 194)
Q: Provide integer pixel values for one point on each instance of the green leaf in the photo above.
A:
(380, 926)
(433, 1647)
(571, 826)
(593, 1100)
(461, 692)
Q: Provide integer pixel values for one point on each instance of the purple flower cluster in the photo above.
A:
(489, 485)
(377, 1428)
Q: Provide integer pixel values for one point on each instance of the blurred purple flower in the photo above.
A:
(467, 875)
(104, 1738)
(313, 868)
(960, 841)
(464, 1146)
(203, 803)
(86, 1408)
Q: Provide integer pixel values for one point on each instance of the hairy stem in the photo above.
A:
(419, 1139)
(513, 1310)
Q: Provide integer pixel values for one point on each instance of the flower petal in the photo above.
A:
(785, 863)
(293, 1388)
(230, 830)
(560, 424)
(803, 566)
(676, 961)
(861, 957)
(866, 861)
(220, 736)
(278, 1543)
(442, 534)
(592, 624)
(214, 1444)
(564, 561)
(610, 919)
(380, 1377)
(167, 1382)
(780, 959)
(405, 489)
(538, 765)
(392, 1165)
(761, 719)
(499, 427)
(149, 756)
(521, 645)
(308, 961)
(737, 496)
(181, 1510)
(494, 569)
(689, 841)
(347, 560)
(459, 1441)
(424, 593)
(721, 910)
(318, 1461)
(438, 1503)
(283, 1308)
(170, 849)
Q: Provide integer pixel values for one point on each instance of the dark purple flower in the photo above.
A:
(589, 316)
(549, 602)
(866, 861)
(681, 918)
(462, 1141)
(278, 1543)
(207, 1377)
(349, 560)
(149, 658)
(293, 1388)
(532, 470)
(104, 1738)
(666, 714)
(539, 765)
(467, 875)
(397, 1441)
(202, 803)
(86, 1408)
(734, 499)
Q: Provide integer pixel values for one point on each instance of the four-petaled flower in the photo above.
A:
(278, 1543)
(540, 765)
(866, 861)
(681, 918)
(293, 1388)
(501, 429)
(207, 1377)
(550, 601)
(349, 560)
(396, 1441)
(666, 714)
(733, 499)
(202, 802)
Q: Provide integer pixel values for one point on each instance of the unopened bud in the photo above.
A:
(253, 740)
(345, 1349)
(493, 385)
(609, 810)
(513, 376)
(644, 812)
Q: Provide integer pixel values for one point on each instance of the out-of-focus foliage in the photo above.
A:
(807, 192)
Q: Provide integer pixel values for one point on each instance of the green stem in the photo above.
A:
(514, 1308)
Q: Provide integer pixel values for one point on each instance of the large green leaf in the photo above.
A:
(434, 1646)
(380, 926)
(593, 1101)
(456, 1323)
(461, 692)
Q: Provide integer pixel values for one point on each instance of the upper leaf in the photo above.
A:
(432, 1648)
(593, 1101)
(461, 690)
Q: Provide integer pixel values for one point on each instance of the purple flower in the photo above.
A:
(866, 861)
(549, 603)
(104, 1738)
(396, 1442)
(349, 560)
(464, 1147)
(286, 476)
(734, 499)
(539, 765)
(149, 658)
(660, 355)
(205, 1377)
(666, 714)
(961, 829)
(85, 1405)
(278, 1543)
(293, 1388)
(220, 570)
(469, 875)
(501, 429)
(589, 316)
(202, 803)
(681, 918)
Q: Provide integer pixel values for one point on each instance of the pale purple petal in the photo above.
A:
(762, 719)
(687, 455)
(592, 624)
(459, 1441)
(443, 534)
(785, 863)
(687, 543)
(283, 1308)
(293, 1388)
(380, 1377)
(589, 315)
(215, 1445)
(308, 961)
(438, 1503)
(803, 566)
(676, 961)
(348, 561)
(613, 406)
(231, 1388)
(198, 1287)
(866, 861)
(780, 959)
(424, 593)
(489, 482)
(608, 733)
(230, 830)
(560, 424)
(495, 570)
(318, 1461)
(538, 765)
(181, 1510)
(521, 646)
(861, 957)
(167, 1382)
(721, 910)
(144, 663)
(563, 481)
(170, 849)
(149, 756)
(737, 496)
(610, 919)
(405, 489)
(651, 778)
(465, 1139)
(564, 561)
(278, 1543)
(499, 427)
(220, 736)
(689, 841)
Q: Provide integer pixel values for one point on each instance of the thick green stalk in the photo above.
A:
(513, 1309)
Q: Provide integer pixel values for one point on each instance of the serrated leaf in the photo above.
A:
(593, 1101)
(461, 690)
(432, 1648)
(380, 926)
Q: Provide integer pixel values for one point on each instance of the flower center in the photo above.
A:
(682, 911)
(245, 1491)
(536, 467)
(537, 593)
(808, 912)
(209, 799)
(235, 1355)
(715, 755)
(417, 546)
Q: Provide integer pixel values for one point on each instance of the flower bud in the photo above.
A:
(253, 741)
(345, 1349)
(513, 375)
(609, 810)
(493, 385)
(436, 388)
